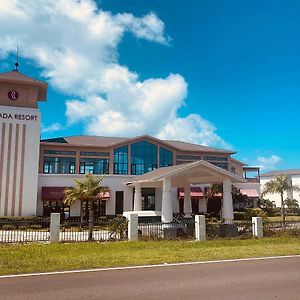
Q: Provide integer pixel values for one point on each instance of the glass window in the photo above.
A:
(59, 165)
(220, 165)
(85, 153)
(189, 157)
(121, 160)
(165, 157)
(143, 157)
(148, 199)
(216, 158)
(94, 166)
(59, 152)
(180, 162)
(233, 170)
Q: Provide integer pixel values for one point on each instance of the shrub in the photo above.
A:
(254, 212)
(239, 215)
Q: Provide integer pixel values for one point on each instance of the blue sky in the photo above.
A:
(222, 73)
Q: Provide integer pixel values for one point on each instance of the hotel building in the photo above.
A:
(293, 178)
(142, 173)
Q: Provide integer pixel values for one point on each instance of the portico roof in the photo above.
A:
(195, 173)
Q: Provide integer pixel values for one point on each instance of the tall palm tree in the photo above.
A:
(89, 189)
(279, 185)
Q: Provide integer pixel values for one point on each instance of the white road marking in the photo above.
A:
(149, 266)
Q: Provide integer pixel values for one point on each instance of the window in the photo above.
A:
(119, 202)
(143, 157)
(94, 166)
(165, 157)
(148, 199)
(216, 158)
(59, 165)
(99, 209)
(233, 170)
(121, 160)
(59, 152)
(84, 153)
(188, 157)
(180, 162)
(220, 165)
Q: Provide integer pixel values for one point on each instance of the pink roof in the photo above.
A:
(196, 192)
(249, 192)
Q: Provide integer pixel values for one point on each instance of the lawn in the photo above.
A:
(30, 258)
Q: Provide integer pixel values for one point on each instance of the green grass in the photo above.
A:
(30, 258)
(287, 218)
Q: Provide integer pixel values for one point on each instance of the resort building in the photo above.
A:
(294, 179)
(143, 173)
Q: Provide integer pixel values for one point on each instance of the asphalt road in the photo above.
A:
(260, 279)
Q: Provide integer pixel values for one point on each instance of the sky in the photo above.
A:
(219, 73)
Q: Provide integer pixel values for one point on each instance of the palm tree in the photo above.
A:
(89, 190)
(279, 185)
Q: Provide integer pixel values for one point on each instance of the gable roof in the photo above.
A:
(160, 173)
(104, 142)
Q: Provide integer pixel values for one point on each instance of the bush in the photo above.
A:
(254, 212)
(239, 215)
(272, 212)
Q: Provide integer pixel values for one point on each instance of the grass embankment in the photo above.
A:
(53, 257)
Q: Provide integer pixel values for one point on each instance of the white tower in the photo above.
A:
(19, 142)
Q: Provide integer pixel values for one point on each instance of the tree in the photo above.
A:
(266, 203)
(279, 185)
(89, 189)
(292, 205)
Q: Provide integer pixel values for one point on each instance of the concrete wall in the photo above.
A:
(19, 153)
(114, 183)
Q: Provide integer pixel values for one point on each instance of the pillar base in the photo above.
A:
(228, 230)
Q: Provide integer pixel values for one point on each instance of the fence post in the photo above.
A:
(54, 227)
(133, 227)
(200, 227)
(257, 227)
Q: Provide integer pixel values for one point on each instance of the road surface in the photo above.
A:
(258, 279)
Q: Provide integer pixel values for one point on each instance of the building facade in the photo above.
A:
(34, 172)
(294, 179)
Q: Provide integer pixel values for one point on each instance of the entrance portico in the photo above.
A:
(184, 175)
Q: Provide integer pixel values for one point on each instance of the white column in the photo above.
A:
(200, 227)
(187, 207)
(133, 227)
(54, 227)
(227, 202)
(257, 227)
(167, 208)
(137, 198)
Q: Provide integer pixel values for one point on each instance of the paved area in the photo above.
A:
(259, 279)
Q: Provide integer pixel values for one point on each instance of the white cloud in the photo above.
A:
(52, 128)
(268, 163)
(75, 42)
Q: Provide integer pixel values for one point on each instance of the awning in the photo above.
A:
(52, 193)
(251, 193)
(196, 192)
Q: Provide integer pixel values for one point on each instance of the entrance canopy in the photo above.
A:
(184, 175)
(198, 172)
